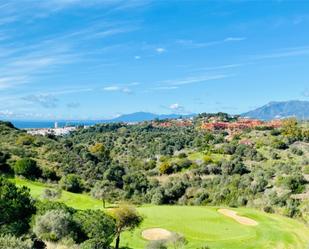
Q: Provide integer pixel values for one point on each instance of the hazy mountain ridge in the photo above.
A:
(146, 116)
(284, 109)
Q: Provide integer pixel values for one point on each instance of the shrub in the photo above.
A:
(207, 159)
(177, 240)
(166, 168)
(27, 167)
(16, 208)
(306, 169)
(94, 224)
(157, 244)
(297, 151)
(72, 183)
(4, 167)
(51, 194)
(182, 155)
(94, 244)
(45, 206)
(54, 225)
(268, 209)
(11, 242)
(25, 140)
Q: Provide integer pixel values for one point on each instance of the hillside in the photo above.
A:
(273, 110)
(160, 165)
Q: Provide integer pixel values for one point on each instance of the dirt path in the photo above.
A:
(156, 234)
(240, 219)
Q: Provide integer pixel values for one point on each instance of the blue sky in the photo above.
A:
(78, 59)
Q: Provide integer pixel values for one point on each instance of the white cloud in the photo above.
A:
(137, 57)
(160, 50)
(122, 89)
(174, 106)
(112, 88)
(177, 108)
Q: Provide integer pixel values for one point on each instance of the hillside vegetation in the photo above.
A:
(164, 163)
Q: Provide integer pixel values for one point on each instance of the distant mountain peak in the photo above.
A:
(281, 109)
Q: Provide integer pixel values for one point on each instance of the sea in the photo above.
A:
(30, 124)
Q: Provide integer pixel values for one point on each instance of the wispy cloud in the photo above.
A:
(195, 44)
(73, 105)
(287, 52)
(117, 89)
(165, 88)
(195, 79)
(46, 101)
(160, 50)
(220, 67)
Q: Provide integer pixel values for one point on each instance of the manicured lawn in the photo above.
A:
(201, 226)
(78, 201)
(205, 226)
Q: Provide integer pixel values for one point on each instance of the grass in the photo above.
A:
(78, 201)
(201, 226)
(205, 226)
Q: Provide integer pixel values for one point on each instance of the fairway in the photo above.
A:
(201, 226)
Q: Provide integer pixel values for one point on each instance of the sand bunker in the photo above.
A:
(240, 219)
(156, 234)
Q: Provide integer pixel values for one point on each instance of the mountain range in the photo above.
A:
(146, 116)
(272, 110)
(284, 109)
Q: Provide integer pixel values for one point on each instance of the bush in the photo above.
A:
(182, 155)
(4, 167)
(45, 206)
(51, 194)
(94, 224)
(54, 225)
(25, 140)
(157, 244)
(166, 168)
(94, 244)
(16, 208)
(11, 242)
(27, 168)
(72, 183)
(306, 169)
(297, 151)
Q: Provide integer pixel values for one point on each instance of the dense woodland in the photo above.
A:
(264, 168)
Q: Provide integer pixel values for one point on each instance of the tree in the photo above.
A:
(291, 129)
(127, 219)
(72, 183)
(54, 225)
(102, 190)
(27, 167)
(95, 225)
(16, 207)
(114, 174)
(100, 151)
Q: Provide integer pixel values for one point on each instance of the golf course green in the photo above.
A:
(201, 226)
